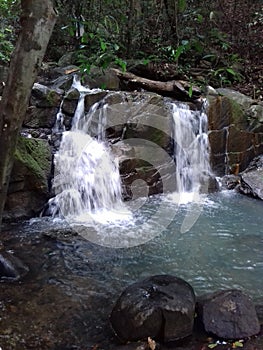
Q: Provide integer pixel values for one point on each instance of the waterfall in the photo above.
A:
(87, 182)
(191, 151)
(87, 177)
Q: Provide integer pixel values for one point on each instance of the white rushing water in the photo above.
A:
(191, 152)
(87, 181)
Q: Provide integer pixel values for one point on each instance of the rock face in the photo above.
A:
(251, 180)
(229, 314)
(139, 128)
(161, 307)
(28, 189)
(236, 131)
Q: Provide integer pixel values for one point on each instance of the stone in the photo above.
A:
(69, 106)
(11, 267)
(105, 79)
(63, 82)
(161, 307)
(93, 97)
(223, 112)
(238, 97)
(255, 116)
(37, 117)
(145, 129)
(67, 59)
(217, 140)
(230, 182)
(251, 180)
(43, 96)
(235, 131)
(228, 314)
(29, 183)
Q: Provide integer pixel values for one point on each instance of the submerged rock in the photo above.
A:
(228, 314)
(11, 267)
(161, 307)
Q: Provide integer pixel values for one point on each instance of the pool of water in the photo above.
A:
(75, 281)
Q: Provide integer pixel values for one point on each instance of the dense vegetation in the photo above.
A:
(215, 42)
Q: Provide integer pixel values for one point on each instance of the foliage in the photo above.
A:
(9, 14)
(98, 46)
(225, 33)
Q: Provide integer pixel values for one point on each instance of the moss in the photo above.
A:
(34, 155)
(53, 98)
(238, 115)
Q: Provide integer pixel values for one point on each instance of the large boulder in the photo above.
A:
(235, 131)
(140, 123)
(161, 307)
(28, 189)
(228, 314)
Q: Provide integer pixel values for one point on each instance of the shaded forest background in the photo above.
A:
(215, 42)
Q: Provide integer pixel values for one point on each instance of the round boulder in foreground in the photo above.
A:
(229, 314)
(161, 307)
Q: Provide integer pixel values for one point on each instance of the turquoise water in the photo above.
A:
(223, 249)
(72, 284)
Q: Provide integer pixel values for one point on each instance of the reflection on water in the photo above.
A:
(72, 280)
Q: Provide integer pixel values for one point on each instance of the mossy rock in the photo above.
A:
(28, 189)
(35, 156)
(224, 111)
(238, 115)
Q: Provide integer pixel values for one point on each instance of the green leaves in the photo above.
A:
(212, 346)
(181, 5)
(238, 344)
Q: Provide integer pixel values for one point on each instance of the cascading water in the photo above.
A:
(86, 174)
(191, 151)
(87, 182)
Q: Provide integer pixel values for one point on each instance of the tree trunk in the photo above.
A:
(37, 21)
(179, 89)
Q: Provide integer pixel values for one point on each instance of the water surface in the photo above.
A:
(72, 285)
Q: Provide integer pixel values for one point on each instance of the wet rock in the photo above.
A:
(252, 183)
(62, 82)
(40, 117)
(230, 182)
(235, 131)
(11, 267)
(69, 106)
(93, 97)
(228, 314)
(71, 100)
(160, 307)
(252, 179)
(43, 96)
